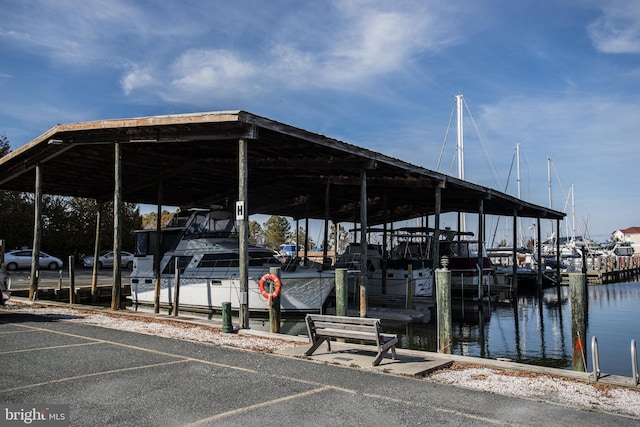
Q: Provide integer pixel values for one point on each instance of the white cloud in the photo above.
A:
(83, 32)
(356, 43)
(618, 29)
(199, 69)
(136, 78)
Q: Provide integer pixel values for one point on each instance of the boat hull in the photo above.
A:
(397, 283)
(302, 293)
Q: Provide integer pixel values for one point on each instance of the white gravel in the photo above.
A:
(607, 398)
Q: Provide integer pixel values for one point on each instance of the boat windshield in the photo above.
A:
(213, 222)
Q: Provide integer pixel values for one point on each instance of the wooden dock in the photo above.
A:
(81, 294)
(607, 277)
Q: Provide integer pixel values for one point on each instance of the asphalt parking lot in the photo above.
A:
(111, 377)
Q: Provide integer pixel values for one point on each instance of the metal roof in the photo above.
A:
(195, 157)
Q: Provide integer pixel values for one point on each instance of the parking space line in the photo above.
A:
(182, 359)
(94, 374)
(133, 347)
(12, 332)
(26, 350)
(222, 415)
(440, 409)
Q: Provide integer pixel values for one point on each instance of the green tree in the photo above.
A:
(256, 234)
(69, 228)
(16, 215)
(149, 220)
(5, 146)
(277, 230)
(16, 219)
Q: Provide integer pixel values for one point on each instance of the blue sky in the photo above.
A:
(559, 77)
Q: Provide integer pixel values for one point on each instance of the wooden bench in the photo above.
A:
(323, 328)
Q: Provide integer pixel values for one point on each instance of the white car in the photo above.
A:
(106, 259)
(21, 258)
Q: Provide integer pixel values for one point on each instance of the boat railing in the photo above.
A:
(597, 373)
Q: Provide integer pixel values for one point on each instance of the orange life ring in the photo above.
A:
(270, 278)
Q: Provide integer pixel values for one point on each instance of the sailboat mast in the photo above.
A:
(549, 187)
(573, 212)
(461, 219)
(549, 180)
(520, 234)
(460, 145)
(518, 167)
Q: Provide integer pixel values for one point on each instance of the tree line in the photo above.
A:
(68, 223)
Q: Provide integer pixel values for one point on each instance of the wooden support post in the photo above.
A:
(410, 287)
(37, 235)
(59, 286)
(306, 234)
(72, 280)
(157, 252)
(274, 308)
(341, 292)
(539, 253)
(96, 254)
(336, 231)
(436, 226)
(117, 229)
(578, 298)
(243, 225)
(363, 243)
(385, 243)
(480, 261)
(176, 288)
(327, 212)
(514, 255)
(443, 304)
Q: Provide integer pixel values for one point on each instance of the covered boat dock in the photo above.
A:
(248, 163)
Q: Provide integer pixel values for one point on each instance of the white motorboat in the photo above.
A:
(389, 277)
(206, 245)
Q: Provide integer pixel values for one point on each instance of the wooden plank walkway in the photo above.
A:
(607, 277)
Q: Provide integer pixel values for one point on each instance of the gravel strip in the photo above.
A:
(600, 397)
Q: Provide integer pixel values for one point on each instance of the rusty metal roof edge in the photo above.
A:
(200, 117)
(266, 123)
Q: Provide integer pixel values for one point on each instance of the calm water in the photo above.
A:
(538, 330)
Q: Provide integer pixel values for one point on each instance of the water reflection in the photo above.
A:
(536, 328)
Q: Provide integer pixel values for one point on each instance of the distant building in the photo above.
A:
(628, 235)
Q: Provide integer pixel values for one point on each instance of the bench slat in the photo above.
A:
(341, 333)
(327, 325)
(344, 319)
(322, 328)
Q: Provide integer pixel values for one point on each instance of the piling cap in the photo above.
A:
(444, 261)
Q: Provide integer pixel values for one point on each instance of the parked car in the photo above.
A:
(106, 259)
(21, 258)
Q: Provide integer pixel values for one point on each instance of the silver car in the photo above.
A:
(21, 258)
(106, 259)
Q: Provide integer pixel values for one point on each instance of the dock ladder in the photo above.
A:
(597, 374)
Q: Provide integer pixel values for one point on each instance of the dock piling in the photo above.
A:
(443, 289)
(578, 296)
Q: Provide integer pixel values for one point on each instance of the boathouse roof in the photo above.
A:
(193, 158)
